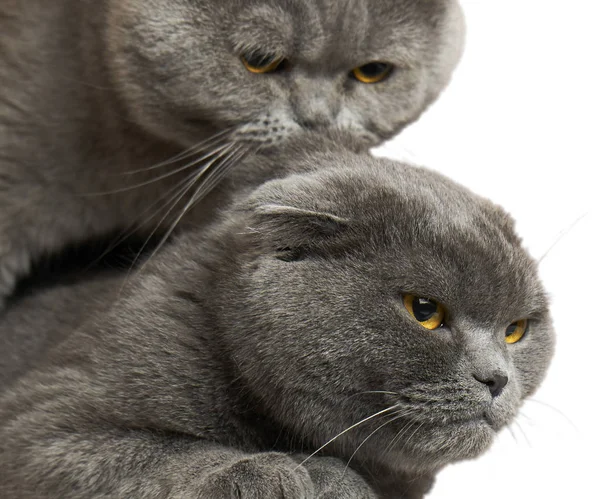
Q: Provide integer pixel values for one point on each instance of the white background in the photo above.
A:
(520, 124)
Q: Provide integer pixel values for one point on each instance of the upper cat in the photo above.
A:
(357, 290)
(94, 92)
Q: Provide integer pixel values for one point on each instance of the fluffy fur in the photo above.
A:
(245, 347)
(95, 92)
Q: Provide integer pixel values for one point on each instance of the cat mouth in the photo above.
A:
(483, 421)
(477, 422)
(440, 444)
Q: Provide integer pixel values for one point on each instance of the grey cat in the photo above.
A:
(93, 93)
(344, 331)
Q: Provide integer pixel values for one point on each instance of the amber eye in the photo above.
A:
(516, 331)
(261, 63)
(373, 72)
(429, 313)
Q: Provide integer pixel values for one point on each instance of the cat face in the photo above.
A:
(267, 70)
(386, 289)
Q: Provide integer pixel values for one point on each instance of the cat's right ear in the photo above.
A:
(293, 231)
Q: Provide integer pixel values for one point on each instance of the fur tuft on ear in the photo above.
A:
(290, 227)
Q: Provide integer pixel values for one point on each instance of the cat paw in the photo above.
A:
(332, 479)
(13, 265)
(261, 476)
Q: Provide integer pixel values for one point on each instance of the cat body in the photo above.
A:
(111, 109)
(283, 329)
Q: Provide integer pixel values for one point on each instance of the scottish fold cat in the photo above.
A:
(343, 331)
(119, 114)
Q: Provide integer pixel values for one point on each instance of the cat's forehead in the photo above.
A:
(450, 243)
(318, 30)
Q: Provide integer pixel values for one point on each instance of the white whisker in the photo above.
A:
(163, 176)
(139, 222)
(413, 434)
(561, 235)
(398, 435)
(395, 417)
(229, 153)
(512, 433)
(217, 174)
(362, 421)
(220, 136)
(559, 412)
(183, 191)
(523, 432)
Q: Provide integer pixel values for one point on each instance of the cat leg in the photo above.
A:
(62, 435)
(56, 460)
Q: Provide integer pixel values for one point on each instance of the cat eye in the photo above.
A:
(516, 331)
(429, 313)
(261, 63)
(373, 72)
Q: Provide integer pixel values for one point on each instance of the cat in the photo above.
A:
(119, 114)
(342, 331)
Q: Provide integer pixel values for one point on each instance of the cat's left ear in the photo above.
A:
(291, 228)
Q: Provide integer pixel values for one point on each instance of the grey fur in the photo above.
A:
(92, 90)
(243, 348)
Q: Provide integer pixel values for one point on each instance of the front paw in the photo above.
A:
(261, 476)
(332, 479)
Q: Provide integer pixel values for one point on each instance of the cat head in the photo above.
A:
(374, 287)
(269, 69)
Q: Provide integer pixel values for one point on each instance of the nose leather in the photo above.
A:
(495, 382)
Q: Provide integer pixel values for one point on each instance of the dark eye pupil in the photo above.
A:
(259, 60)
(373, 69)
(424, 309)
(511, 329)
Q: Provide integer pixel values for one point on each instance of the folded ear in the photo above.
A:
(288, 227)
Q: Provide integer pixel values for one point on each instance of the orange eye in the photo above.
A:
(261, 63)
(428, 313)
(516, 331)
(373, 72)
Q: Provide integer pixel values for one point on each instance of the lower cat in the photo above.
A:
(344, 331)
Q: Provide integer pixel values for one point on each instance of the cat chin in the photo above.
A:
(433, 447)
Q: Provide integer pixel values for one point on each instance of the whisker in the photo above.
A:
(191, 203)
(228, 154)
(185, 154)
(139, 222)
(160, 177)
(398, 435)
(530, 421)
(395, 417)
(523, 433)
(413, 434)
(561, 235)
(184, 190)
(512, 433)
(216, 174)
(559, 412)
(384, 411)
(189, 185)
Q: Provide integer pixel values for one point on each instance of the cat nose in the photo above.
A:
(315, 102)
(315, 113)
(495, 382)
